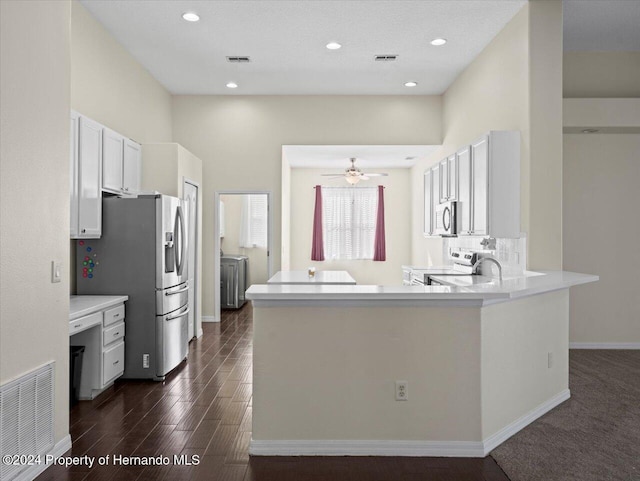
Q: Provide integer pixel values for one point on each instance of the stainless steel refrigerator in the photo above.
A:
(142, 253)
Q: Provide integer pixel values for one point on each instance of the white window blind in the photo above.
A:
(349, 222)
(253, 221)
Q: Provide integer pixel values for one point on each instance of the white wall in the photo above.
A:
(34, 193)
(397, 197)
(601, 231)
(520, 68)
(240, 139)
(230, 244)
(601, 74)
(111, 87)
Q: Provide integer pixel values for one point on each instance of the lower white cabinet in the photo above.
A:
(102, 333)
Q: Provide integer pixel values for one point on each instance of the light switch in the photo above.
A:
(56, 271)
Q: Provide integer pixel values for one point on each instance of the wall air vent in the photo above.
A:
(238, 59)
(385, 58)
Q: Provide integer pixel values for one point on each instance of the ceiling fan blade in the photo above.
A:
(364, 177)
(375, 174)
(325, 175)
(333, 176)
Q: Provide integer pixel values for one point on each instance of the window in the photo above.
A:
(349, 222)
(253, 223)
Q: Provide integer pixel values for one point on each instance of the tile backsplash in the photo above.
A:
(511, 253)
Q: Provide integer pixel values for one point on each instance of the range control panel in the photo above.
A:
(89, 259)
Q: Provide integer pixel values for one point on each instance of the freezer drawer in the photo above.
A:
(172, 341)
(168, 300)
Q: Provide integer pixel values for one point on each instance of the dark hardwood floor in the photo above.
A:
(204, 408)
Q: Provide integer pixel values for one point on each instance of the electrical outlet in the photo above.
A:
(549, 360)
(402, 391)
(145, 361)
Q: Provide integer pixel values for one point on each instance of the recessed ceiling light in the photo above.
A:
(438, 41)
(410, 84)
(232, 85)
(191, 16)
(589, 131)
(333, 46)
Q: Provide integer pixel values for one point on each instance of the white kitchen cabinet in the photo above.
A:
(73, 173)
(443, 181)
(452, 177)
(112, 160)
(132, 166)
(492, 206)
(428, 203)
(89, 178)
(101, 330)
(463, 157)
(121, 164)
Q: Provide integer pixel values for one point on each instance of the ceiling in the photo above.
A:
(286, 41)
(603, 25)
(337, 157)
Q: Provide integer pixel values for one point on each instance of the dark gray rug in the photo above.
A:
(594, 436)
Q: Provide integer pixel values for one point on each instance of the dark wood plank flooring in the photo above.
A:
(204, 408)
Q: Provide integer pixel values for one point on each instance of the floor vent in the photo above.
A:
(26, 417)
(385, 58)
(238, 59)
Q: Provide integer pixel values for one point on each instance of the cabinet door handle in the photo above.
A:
(84, 230)
(77, 326)
(116, 362)
(116, 315)
(116, 334)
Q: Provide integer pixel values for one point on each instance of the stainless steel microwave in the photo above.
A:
(446, 219)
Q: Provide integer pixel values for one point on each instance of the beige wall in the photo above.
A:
(601, 232)
(601, 74)
(514, 84)
(111, 87)
(34, 193)
(240, 139)
(230, 244)
(464, 367)
(397, 197)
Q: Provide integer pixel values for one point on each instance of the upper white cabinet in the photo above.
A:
(112, 160)
(484, 179)
(121, 163)
(132, 166)
(428, 203)
(492, 207)
(86, 218)
(101, 160)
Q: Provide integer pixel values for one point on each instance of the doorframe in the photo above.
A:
(216, 240)
(197, 329)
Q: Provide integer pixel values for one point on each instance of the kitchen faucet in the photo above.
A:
(483, 259)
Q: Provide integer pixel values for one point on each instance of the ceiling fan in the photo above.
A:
(353, 175)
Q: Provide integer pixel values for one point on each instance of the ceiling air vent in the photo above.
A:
(238, 59)
(385, 58)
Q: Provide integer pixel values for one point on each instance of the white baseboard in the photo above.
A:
(466, 449)
(210, 319)
(32, 472)
(461, 449)
(604, 345)
(505, 433)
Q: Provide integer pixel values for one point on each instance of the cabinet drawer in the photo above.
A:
(112, 363)
(83, 323)
(112, 334)
(113, 315)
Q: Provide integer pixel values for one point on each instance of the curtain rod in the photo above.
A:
(351, 187)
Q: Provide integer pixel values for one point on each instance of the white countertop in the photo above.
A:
(80, 306)
(321, 277)
(471, 294)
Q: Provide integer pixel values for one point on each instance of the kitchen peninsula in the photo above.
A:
(479, 363)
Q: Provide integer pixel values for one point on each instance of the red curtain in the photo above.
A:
(317, 246)
(379, 248)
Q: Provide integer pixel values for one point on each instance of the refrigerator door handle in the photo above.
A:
(182, 314)
(178, 291)
(183, 242)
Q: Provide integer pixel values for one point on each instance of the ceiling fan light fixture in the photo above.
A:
(352, 179)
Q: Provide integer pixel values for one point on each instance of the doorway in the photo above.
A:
(243, 231)
(190, 196)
